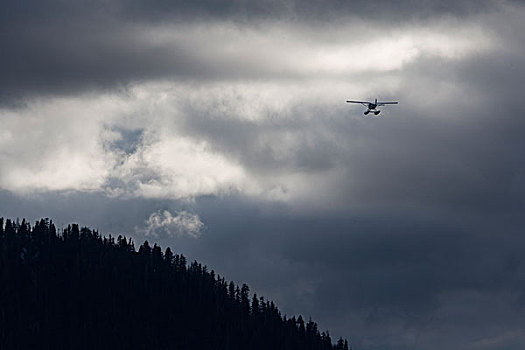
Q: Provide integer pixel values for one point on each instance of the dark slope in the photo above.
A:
(79, 290)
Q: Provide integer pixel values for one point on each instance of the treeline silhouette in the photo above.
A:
(76, 289)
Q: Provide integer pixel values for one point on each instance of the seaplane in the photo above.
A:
(372, 106)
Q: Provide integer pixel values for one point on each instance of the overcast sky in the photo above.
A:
(221, 129)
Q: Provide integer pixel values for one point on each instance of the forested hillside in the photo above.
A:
(76, 289)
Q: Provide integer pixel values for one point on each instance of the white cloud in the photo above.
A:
(351, 47)
(183, 223)
(62, 144)
(54, 145)
(179, 167)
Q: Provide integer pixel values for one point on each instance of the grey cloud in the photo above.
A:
(65, 58)
(61, 48)
(68, 58)
(243, 10)
(237, 9)
(456, 156)
(257, 144)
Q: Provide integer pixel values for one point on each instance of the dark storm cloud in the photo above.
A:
(14, 11)
(56, 47)
(66, 56)
(298, 10)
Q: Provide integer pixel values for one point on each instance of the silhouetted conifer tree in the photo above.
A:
(79, 290)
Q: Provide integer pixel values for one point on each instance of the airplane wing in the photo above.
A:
(364, 103)
(386, 103)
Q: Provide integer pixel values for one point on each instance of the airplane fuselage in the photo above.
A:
(372, 107)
